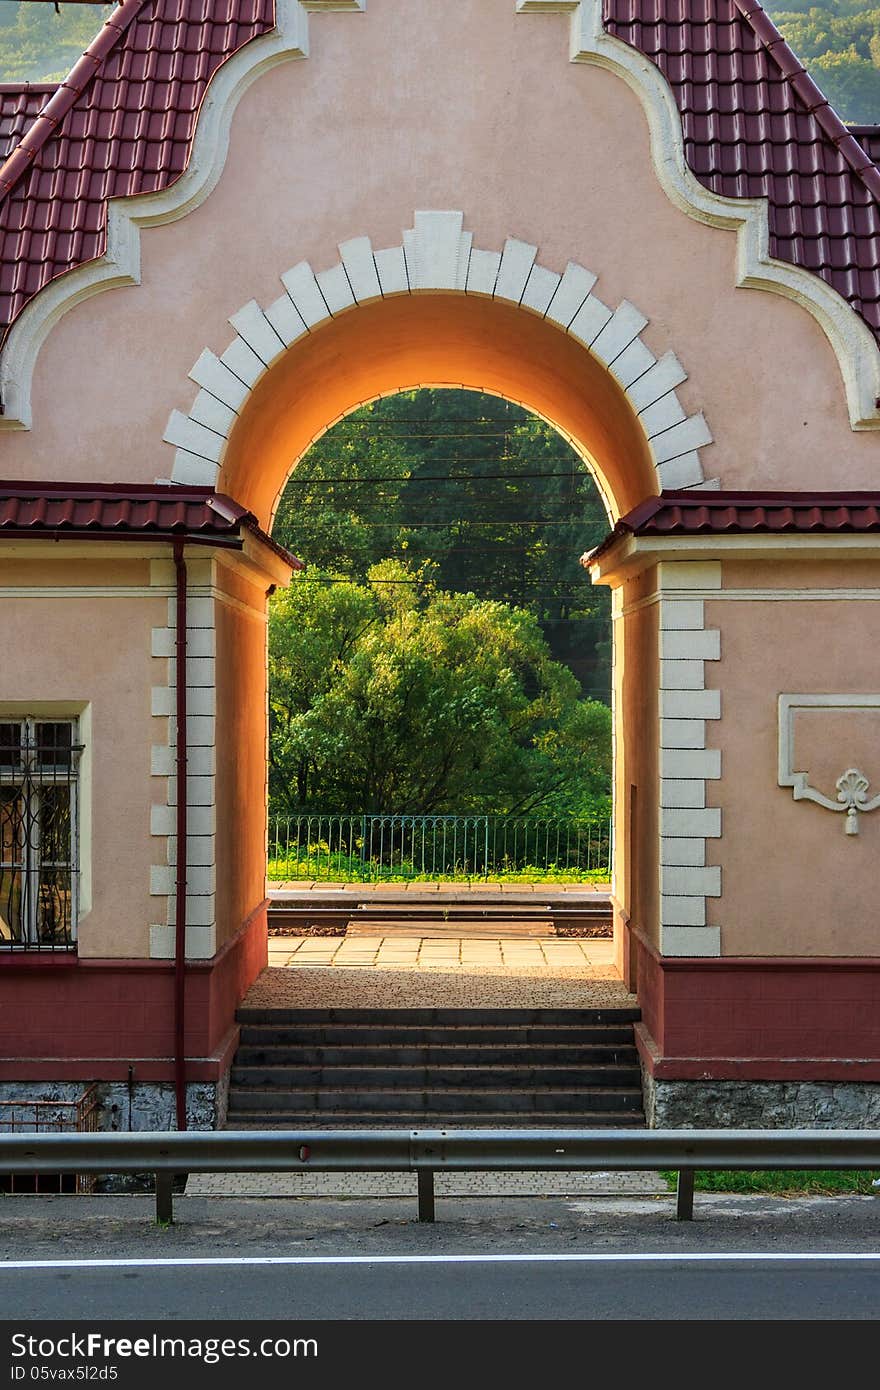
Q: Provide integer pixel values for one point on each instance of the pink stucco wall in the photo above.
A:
(421, 105)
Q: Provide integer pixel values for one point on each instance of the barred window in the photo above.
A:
(39, 762)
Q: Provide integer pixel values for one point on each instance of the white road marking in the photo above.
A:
(655, 1257)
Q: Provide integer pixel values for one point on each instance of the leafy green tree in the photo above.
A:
(489, 494)
(39, 45)
(396, 695)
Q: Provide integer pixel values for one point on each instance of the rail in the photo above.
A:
(430, 1151)
(369, 847)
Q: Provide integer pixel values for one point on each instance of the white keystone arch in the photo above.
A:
(437, 254)
(851, 340)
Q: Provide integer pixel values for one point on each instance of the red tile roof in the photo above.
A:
(122, 123)
(694, 513)
(756, 125)
(106, 512)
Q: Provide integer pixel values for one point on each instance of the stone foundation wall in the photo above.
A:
(761, 1104)
(146, 1105)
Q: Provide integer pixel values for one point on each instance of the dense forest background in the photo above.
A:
(838, 41)
(445, 650)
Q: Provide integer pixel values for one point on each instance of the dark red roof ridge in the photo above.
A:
(69, 91)
(13, 88)
(810, 94)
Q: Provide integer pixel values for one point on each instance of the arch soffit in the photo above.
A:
(437, 254)
(854, 345)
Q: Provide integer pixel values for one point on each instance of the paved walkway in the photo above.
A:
(581, 954)
(416, 888)
(404, 1184)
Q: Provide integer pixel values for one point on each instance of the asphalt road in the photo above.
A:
(598, 1261)
(552, 1287)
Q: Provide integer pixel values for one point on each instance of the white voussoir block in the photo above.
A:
(219, 379)
(241, 359)
(360, 267)
(684, 471)
(162, 641)
(688, 574)
(690, 704)
(200, 910)
(691, 644)
(589, 320)
(391, 269)
(302, 287)
(195, 438)
(214, 414)
(336, 290)
(662, 415)
(161, 701)
(682, 615)
(691, 762)
(666, 373)
(625, 324)
(251, 324)
(433, 250)
(199, 612)
(200, 731)
(483, 271)
(192, 470)
(690, 823)
(540, 289)
(691, 434)
(575, 285)
(162, 760)
(680, 881)
(688, 853)
(683, 791)
(517, 260)
(163, 820)
(200, 791)
(680, 911)
(683, 733)
(162, 881)
(200, 942)
(690, 941)
(632, 363)
(682, 675)
(284, 317)
(201, 852)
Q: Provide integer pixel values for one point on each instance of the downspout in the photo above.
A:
(180, 883)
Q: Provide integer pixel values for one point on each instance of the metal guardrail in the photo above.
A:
(430, 1151)
(369, 847)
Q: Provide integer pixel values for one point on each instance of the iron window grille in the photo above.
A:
(39, 839)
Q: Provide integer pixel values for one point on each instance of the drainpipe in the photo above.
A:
(180, 885)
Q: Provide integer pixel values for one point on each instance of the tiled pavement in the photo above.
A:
(585, 954)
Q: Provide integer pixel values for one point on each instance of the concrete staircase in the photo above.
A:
(434, 1068)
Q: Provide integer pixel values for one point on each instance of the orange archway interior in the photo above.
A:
(434, 340)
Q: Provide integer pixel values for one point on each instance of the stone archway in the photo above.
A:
(264, 372)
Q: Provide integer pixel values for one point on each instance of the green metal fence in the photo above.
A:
(372, 848)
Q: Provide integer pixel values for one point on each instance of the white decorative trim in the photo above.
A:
(438, 254)
(686, 764)
(852, 785)
(852, 341)
(120, 264)
(201, 762)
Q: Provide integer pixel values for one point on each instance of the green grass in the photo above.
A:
(784, 1182)
(339, 868)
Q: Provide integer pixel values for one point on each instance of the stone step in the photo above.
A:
(380, 1119)
(440, 1017)
(438, 1101)
(434, 1054)
(424, 1035)
(438, 1076)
